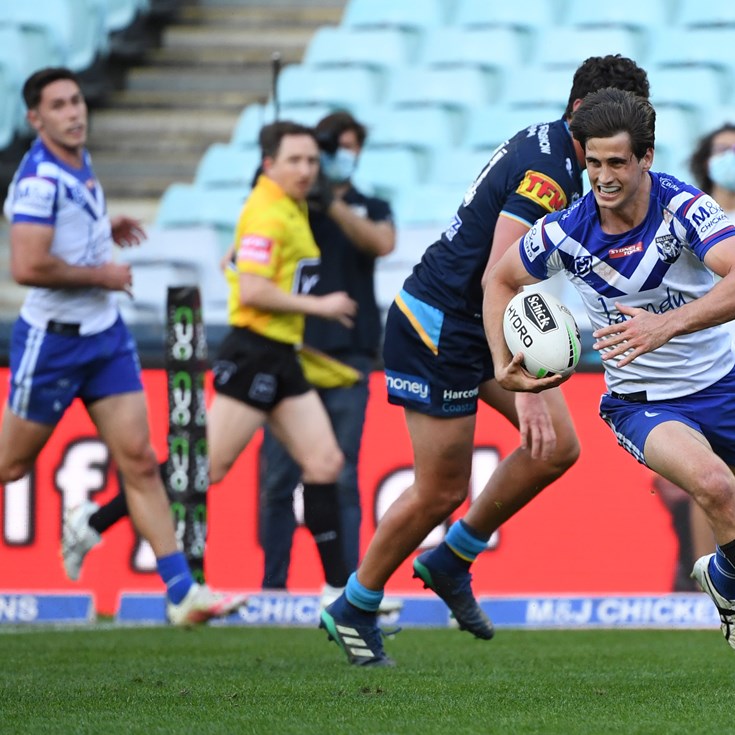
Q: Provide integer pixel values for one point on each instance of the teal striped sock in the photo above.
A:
(361, 597)
(465, 542)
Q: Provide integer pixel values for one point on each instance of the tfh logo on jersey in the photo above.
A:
(543, 190)
(306, 276)
(538, 312)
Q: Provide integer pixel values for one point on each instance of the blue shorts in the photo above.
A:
(49, 370)
(434, 362)
(711, 412)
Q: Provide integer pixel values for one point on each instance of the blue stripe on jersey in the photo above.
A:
(657, 275)
(602, 286)
(85, 205)
(426, 318)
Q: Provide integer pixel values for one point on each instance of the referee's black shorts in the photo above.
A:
(257, 370)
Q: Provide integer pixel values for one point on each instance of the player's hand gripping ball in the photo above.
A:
(544, 330)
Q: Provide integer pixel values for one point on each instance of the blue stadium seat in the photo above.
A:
(188, 205)
(451, 167)
(634, 14)
(718, 115)
(175, 257)
(248, 125)
(180, 206)
(690, 88)
(18, 64)
(694, 13)
(224, 165)
(675, 138)
(397, 14)
(343, 87)
(9, 108)
(490, 126)
(485, 48)
(379, 49)
(74, 29)
(531, 16)
(569, 47)
(413, 127)
(43, 45)
(460, 88)
(427, 205)
(708, 47)
(310, 114)
(126, 27)
(119, 14)
(254, 116)
(536, 87)
(387, 171)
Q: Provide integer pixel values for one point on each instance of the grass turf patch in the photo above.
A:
(282, 681)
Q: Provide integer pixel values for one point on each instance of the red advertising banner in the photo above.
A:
(598, 530)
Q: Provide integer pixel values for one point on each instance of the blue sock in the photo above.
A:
(176, 575)
(722, 573)
(465, 542)
(361, 597)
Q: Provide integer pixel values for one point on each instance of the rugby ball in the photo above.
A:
(544, 330)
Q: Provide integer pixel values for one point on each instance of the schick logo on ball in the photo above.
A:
(538, 312)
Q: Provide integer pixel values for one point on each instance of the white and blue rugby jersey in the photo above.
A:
(46, 191)
(657, 265)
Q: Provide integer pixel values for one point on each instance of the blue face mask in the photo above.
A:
(340, 166)
(722, 169)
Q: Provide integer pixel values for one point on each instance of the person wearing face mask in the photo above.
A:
(713, 166)
(352, 230)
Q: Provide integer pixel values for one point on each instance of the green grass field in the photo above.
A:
(279, 681)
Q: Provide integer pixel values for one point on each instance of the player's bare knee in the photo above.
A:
(444, 497)
(139, 463)
(567, 453)
(324, 467)
(716, 493)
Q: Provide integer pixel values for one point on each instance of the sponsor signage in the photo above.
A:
(607, 489)
(544, 612)
(22, 608)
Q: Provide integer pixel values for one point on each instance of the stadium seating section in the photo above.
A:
(438, 90)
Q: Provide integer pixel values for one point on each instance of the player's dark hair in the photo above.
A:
(610, 111)
(39, 80)
(612, 70)
(331, 127)
(272, 134)
(699, 161)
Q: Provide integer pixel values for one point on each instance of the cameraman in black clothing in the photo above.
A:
(351, 230)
